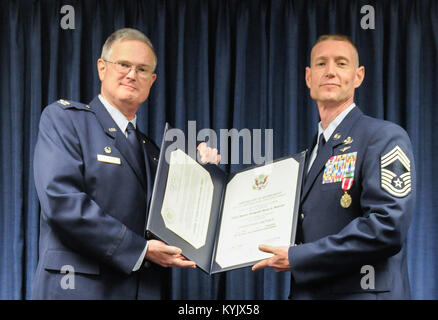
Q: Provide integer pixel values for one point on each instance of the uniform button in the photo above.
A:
(147, 264)
(148, 235)
(302, 216)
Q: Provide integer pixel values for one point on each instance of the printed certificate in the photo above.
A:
(218, 219)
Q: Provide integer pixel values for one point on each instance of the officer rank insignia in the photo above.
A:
(395, 169)
(63, 102)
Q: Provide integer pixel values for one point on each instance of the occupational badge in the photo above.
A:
(349, 140)
(345, 149)
(395, 173)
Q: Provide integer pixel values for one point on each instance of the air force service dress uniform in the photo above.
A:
(94, 195)
(356, 204)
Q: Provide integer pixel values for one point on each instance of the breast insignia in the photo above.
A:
(349, 140)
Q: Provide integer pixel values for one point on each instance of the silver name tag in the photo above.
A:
(108, 159)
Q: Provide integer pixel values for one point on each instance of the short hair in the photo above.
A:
(337, 37)
(125, 34)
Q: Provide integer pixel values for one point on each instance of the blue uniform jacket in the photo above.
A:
(93, 209)
(358, 252)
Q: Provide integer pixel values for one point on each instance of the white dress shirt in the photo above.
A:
(118, 117)
(328, 132)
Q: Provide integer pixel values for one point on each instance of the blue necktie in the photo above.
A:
(321, 143)
(135, 144)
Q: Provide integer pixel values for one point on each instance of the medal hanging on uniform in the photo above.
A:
(346, 198)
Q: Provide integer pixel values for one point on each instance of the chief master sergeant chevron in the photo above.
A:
(358, 195)
(94, 174)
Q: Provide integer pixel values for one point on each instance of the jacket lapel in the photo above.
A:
(151, 162)
(309, 153)
(121, 143)
(327, 151)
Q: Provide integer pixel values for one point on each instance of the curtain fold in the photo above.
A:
(224, 64)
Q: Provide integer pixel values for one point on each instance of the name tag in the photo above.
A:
(339, 167)
(108, 159)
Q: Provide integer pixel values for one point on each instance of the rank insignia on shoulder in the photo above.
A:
(395, 169)
(64, 102)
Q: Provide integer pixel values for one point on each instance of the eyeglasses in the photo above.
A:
(126, 67)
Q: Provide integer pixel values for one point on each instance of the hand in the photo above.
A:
(208, 154)
(167, 256)
(280, 260)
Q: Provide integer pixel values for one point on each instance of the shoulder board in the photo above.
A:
(66, 104)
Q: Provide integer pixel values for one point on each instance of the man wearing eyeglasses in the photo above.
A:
(94, 175)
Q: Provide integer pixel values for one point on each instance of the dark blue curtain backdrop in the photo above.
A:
(226, 64)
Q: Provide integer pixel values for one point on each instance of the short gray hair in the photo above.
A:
(125, 34)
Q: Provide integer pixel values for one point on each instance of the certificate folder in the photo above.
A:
(219, 219)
